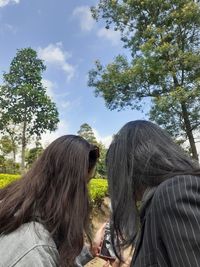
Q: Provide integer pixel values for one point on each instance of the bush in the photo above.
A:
(6, 179)
(98, 189)
(8, 166)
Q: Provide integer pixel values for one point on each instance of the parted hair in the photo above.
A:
(54, 192)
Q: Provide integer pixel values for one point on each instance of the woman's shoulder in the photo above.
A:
(178, 180)
(29, 236)
(38, 234)
(176, 189)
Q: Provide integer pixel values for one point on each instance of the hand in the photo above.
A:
(107, 264)
(115, 263)
(97, 241)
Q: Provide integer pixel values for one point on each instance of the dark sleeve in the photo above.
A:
(178, 220)
(84, 257)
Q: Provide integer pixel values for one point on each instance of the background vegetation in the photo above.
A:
(98, 187)
(163, 40)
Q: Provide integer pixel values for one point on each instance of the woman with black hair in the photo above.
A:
(44, 215)
(145, 164)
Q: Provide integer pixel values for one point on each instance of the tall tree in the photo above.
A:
(101, 165)
(34, 153)
(23, 98)
(11, 131)
(164, 41)
(5, 145)
(167, 113)
(87, 133)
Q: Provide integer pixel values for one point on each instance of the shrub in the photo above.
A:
(98, 189)
(6, 179)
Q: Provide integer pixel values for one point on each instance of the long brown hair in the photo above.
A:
(55, 191)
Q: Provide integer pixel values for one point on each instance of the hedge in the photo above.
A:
(98, 188)
(6, 179)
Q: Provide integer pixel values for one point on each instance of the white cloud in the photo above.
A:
(65, 104)
(7, 2)
(84, 15)
(10, 27)
(54, 54)
(6, 28)
(70, 104)
(106, 140)
(49, 87)
(47, 138)
(110, 35)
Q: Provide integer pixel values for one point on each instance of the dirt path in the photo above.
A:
(99, 217)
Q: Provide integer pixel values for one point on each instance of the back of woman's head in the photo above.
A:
(141, 155)
(54, 192)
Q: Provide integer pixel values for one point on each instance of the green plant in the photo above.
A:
(98, 189)
(6, 179)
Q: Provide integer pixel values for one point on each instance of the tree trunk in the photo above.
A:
(14, 160)
(186, 119)
(189, 131)
(23, 146)
(14, 152)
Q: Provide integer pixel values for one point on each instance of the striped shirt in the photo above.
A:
(170, 225)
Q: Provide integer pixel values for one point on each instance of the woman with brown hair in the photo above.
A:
(44, 215)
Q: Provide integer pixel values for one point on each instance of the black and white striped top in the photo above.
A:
(170, 231)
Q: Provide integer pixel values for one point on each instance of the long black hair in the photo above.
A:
(141, 155)
(55, 190)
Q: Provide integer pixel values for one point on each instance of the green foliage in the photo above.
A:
(2, 163)
(98, 189)
(6, 145)
(101, 165)
(7, 165)
(6, 179)
(86, 132)
(164, 42)
(11, 132)
(23, 98)
(33, 154)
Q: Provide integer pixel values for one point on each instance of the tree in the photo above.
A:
(101, 165)
(163, 38)
(6, 145)
(34, 153)
(168, 114)
(6, 148)
(23, 98)
(2, 164)
(87, 133)
(11, 131)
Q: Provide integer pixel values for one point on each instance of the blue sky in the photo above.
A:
(69, 41)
